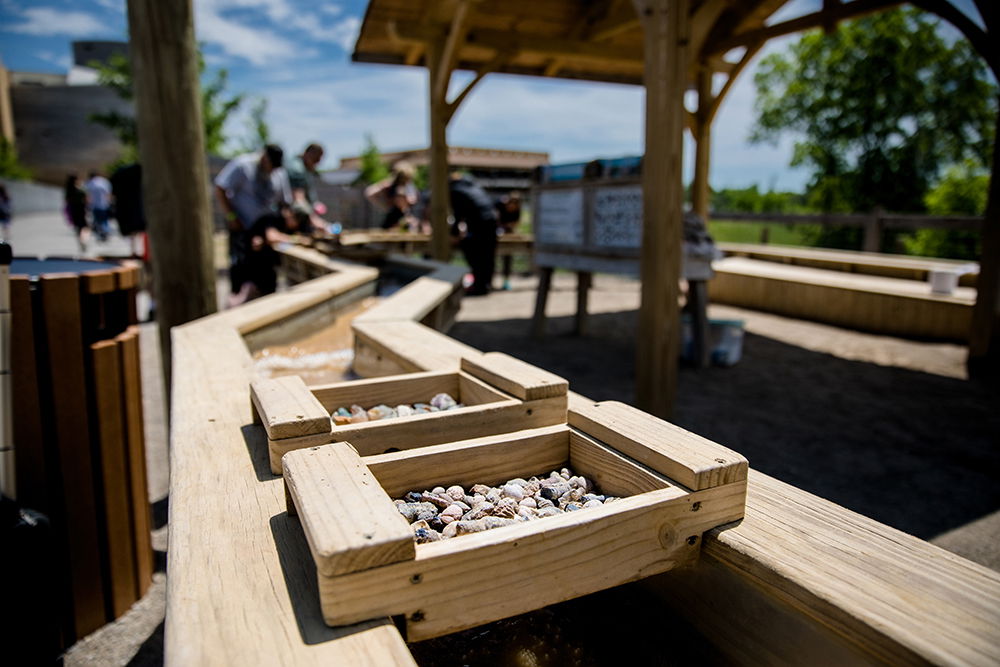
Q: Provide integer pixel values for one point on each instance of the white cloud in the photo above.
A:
(49, 21)
(258, 46)
(63, 61)
(279, 41)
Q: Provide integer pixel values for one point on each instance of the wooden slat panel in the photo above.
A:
(131, 379)
(119, 540)
(688, 459)
(71, 427)
(489, 460)
(32, 472)
(349, 520)
(514, 376)
(391, 390)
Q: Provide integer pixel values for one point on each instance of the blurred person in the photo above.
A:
(76, 210)
(396, 194)
(303, 176)
(508, 217)
(5, 213)
(98, 191)
(249, 187)
(126, 191)
(476, 228)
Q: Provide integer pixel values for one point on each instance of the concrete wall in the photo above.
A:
(27, 197)
(54, 135)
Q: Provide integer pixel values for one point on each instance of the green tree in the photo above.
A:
(10, 166)
(881, 105)
(961, 191)
(373, 167)
(215, 106)
(258, 130)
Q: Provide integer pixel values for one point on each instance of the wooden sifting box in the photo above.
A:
(673, 485)
(500, 394)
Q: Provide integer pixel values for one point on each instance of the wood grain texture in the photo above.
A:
(614, 474)
(474, 579)
(889, 596)
(514, 376)
(240, 594)
(488, 460)
(431, 428)
(684, 457)
(905, 267)
(33, 470)
(128, 347)
(412, 346)
(78, 517)
(349, 520)
(888, 306)
(119, 538)
(392, 390)
(287, 409)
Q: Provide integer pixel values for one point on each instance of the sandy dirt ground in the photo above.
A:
(885, 427)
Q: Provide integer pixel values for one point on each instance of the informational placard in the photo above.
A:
(616, 219)
(560, 217)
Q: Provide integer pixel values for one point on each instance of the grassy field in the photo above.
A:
(724, 231)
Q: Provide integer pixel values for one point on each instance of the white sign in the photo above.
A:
(617, 217)
(560, 217)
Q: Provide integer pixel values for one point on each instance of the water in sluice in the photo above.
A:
(319, 357)
(626, 625)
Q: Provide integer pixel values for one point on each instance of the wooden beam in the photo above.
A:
(984, 337)
(545, 46)
(814, 20)
(702, 133)
(703, 20)
(666, 27)
(621, 16)
(446, 61)
(501, 58)
(440, 204)
(979, 39)
(733, 74)
(172, 152)
(414, 53)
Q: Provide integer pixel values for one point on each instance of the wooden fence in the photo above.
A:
(873, 223)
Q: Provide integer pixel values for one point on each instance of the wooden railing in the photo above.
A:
(873, 223)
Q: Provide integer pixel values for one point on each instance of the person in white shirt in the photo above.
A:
(248, 188)
(98, 191)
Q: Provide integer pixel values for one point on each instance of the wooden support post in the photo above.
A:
(172, 151)
(872, 240)
(984, 338)
(698, 307)
(583, 282)
(702, 131)
(666, 33)
(541, 299)
(440, 236)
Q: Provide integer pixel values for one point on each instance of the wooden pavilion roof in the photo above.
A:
(595, 40)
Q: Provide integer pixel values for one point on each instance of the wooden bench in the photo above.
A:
(889, 306)
(907, 267)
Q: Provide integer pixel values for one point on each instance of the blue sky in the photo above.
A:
(296, 54)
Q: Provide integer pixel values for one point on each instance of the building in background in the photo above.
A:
(46, 116)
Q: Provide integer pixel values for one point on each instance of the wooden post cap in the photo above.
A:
(350, 522)
(520, 379)
(288, 409)
(688, 459)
